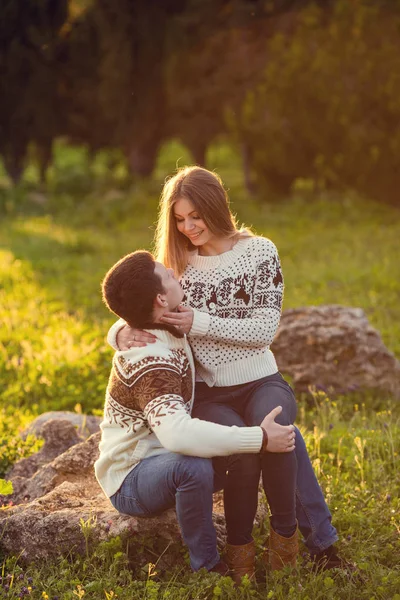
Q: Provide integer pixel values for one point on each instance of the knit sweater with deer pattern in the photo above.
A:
(147, 412)
(237, 300)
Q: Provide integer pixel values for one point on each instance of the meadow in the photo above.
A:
(55, 247)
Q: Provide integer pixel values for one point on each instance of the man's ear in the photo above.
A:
(161, 300)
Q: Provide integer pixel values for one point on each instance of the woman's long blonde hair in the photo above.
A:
(206, 192)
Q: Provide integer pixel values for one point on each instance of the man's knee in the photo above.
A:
(199, 469)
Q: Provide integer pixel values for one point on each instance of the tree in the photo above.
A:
(327, 106)
(131, 71)
(28, 66)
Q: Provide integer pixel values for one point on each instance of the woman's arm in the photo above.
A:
(122, 337)
(113, 333)
(256, 331)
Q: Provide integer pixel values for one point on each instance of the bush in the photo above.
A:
(328, 105)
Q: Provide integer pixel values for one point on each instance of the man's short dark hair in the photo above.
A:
(130, 288)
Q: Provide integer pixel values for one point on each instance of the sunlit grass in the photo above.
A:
(53, 355)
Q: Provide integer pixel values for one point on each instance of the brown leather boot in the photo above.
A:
(241, 560)
(282, 551)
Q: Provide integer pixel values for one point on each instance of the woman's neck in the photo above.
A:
(218, 246)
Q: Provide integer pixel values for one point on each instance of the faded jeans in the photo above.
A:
(174, 480)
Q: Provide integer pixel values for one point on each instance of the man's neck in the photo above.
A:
(165, 327)
(157, 324)
(159, 312)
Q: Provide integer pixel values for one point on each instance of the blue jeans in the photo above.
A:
(247, 404)
(174, 480)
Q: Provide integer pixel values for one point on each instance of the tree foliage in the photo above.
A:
(305, 88)
(328, 105)
(29, 112)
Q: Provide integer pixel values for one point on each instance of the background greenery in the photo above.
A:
(296, 104)
(305, 89)
(55, 247)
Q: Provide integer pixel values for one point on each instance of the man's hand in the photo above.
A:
(133, 338)
(281, 438)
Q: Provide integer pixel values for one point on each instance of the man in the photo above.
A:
(153, 455)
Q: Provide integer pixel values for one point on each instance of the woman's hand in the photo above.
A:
(182, 320)
(281, 438)
(133, 338)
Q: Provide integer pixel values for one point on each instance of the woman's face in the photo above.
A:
(189, 222)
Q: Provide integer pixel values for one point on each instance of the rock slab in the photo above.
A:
(334, 348)
(60, 507)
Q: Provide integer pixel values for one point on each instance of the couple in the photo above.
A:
(171, 407)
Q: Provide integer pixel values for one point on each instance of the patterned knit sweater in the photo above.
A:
(147, 412)
(237, 298)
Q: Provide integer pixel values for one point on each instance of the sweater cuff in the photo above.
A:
(251, 439)
(201, 323)
(113, 332)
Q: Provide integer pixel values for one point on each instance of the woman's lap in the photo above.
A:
(247, 404)
(266, 396)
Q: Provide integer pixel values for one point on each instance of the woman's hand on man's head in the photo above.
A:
(127, 338)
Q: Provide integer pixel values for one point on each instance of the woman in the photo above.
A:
(233, 286)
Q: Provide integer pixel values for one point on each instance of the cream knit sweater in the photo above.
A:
(149, 399)
(237, 298)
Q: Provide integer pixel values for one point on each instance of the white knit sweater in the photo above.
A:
(149, 399)
(237, 299)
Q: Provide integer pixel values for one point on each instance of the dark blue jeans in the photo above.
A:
(174, 480)
(247, 404)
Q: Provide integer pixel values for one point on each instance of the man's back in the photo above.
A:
(146, 386)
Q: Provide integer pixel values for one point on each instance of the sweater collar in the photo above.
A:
(205, 263)
(167, 338)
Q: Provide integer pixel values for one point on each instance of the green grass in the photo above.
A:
(53, 355)
(354, 451)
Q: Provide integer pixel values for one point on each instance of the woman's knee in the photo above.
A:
(262, 406)
(285, 417)
(244, 465)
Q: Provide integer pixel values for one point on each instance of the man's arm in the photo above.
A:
(167, 416)
(158, 393)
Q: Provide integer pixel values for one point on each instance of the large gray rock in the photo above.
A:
(50, 508)
(335, 348)
(59, 435)
(56, 493)
(75, 465)
(85, 425)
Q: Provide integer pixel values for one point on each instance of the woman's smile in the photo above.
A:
(194, 236)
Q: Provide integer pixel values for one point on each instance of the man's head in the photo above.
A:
(141, 290)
